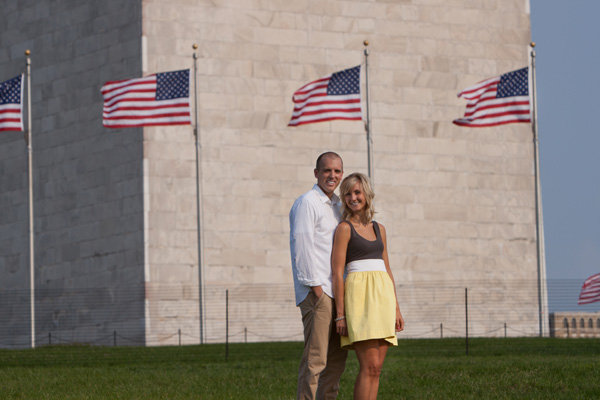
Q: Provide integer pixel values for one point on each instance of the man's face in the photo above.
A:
(329, 174)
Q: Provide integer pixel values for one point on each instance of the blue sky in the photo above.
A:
(568, 81)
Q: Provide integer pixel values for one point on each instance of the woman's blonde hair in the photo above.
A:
(346, 188)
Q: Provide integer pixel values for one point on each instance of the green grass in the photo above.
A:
(531, 368)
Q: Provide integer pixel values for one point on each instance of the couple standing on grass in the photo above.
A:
(332, 238)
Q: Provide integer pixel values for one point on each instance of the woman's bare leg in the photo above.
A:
(370, 354)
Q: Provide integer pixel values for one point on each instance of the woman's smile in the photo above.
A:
(355, 199)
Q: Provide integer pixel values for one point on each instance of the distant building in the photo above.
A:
(574, 324)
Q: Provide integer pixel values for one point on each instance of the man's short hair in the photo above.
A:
(327, 154)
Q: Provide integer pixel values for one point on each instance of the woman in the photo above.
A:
(367, 312)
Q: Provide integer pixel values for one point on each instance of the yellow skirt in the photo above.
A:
(370, 306)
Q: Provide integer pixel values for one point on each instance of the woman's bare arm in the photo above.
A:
(399, 319)
(338, 263)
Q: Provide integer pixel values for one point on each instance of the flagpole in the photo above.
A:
(199, 211)
(30, 179)
(368, 122)
(541, 265)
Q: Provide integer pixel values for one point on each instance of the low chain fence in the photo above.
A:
(178, 315)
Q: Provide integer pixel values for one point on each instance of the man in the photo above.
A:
(313, 219)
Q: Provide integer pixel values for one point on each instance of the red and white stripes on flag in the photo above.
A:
(590, 291)
(496, 101)
(336, 96)
(11, 104)
(159, 99)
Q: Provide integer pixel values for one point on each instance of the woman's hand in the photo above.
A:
(399, 320)
(341, 327)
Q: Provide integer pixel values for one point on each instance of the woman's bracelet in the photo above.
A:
(340, 318)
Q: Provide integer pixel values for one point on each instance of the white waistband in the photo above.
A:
(371, 264)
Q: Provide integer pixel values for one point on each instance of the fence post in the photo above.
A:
(466, 322)
(441, 331)
(568, 333)
(50, 338)
(505, 330)
(179, 334)
(114, 338)
(245, 335)
(226, 324)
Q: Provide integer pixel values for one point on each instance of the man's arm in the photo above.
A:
(303, 219)
(317, 290)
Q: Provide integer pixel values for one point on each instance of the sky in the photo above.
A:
(566, 33)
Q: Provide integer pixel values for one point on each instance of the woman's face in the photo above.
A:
(355, 199)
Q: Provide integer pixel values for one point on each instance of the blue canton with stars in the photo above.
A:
(513, 83)
(344, 82)
(173, 85)
(10, 91)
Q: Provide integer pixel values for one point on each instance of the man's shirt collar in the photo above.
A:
(335, 200)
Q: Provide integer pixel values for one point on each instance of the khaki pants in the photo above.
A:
(323, 360)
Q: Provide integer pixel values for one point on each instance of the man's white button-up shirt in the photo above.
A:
(313, 219)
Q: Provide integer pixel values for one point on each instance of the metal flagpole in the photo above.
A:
(541, 265)
(199, 211)
(30, 178)
(368, 122)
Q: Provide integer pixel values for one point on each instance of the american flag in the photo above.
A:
(159, 99)
(590, 291)
(11, 107)
(336, 96)
(497, 101)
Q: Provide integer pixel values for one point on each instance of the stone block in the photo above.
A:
(359, 9)
(445, 212)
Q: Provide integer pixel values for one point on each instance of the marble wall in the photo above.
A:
(116, 209)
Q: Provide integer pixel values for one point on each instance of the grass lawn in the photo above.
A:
(518, 368)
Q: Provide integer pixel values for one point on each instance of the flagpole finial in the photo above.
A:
(532, 44)
(27, 52)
